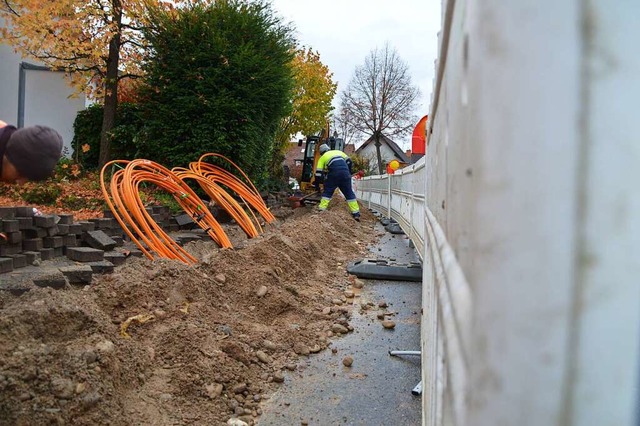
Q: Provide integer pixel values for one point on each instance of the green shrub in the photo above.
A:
(124, 135)
(218, 80)
(45, 193)
(73, 202)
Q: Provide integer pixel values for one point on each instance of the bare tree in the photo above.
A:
(342, 124)
(380, 97)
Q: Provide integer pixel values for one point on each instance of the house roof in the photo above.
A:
(391, 144)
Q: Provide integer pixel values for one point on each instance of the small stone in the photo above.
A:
(165, 397)
(337, 301)
(80, 387)
(334, 350)
(388, 324)
(381, 315)
(301, 349)
(236, 422)
(263, 357)
(382, 304)
(358, 283)
(106, 346)
(291, 367)
(261, 291)
(239, 388)
(347, 361)
(159, 313)
(221, 278)
(348, 293)
(315, 349)
(214, 390)
(239, 411)
(278, 377)
(257, 398)
(90, 357)
(269, 345)
(63, 388)
(339, 329)
(24, 396)
(326, 311)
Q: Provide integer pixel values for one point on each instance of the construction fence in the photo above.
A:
(526, 213)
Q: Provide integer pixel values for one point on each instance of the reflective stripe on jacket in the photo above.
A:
(330, 161)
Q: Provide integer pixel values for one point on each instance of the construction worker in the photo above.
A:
(30, 153)
(336, 165)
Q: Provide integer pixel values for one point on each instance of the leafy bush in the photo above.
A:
(45, 193)
(362, 163)
(124, 135)
(218, 80)
(74, 202)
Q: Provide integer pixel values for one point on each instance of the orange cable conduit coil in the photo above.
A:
(123, 198)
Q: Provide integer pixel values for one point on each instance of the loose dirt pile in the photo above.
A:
(206, 343)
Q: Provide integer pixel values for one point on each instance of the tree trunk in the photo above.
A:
(111, 90)
(379, 155)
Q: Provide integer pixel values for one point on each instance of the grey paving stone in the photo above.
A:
(6, 264)
(115, 257)
(54, 279)
(46, 253)
(24, 211)
(44, 221)
(87, 226)
(75, 229)
(53, 242)
(103, 267)
(7, 212)
(99, 240)
(32, 244)
(35, 233)
(10, 225)
(9, 249)
(85, 254)
(32, 256)
(77, 274)
(19, 260)
(14, 237)
(25, 222)
(65, 219)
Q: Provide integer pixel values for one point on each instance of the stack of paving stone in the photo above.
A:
(91, 245)
(32, 237)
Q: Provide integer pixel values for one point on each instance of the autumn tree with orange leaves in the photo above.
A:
(96, 42)
(311, 100)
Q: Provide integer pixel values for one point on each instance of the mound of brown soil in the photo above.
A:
(163, 343)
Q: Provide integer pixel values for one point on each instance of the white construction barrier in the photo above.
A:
(526, 210)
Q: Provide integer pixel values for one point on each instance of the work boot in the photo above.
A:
(356, 216)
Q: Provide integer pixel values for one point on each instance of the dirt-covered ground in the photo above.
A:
(201, 344)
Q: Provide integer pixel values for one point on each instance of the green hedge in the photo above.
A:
(217, 80)
(125, 136)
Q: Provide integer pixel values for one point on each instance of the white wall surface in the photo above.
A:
(531, 287)
(369, 152)
(9, 73)
(531, 227)
(49, 101)
(48, 98)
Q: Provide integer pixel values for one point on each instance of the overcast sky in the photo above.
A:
(345, 31)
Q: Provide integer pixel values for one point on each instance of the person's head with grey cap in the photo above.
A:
(30, 153)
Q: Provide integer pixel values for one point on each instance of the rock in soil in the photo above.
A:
(388, 324)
